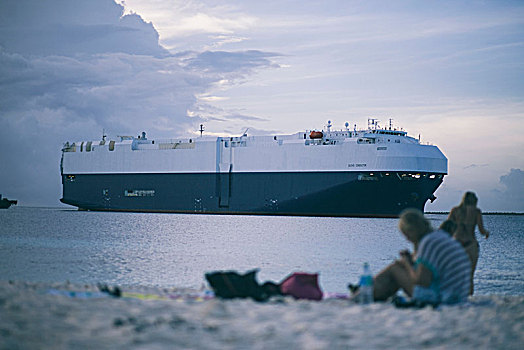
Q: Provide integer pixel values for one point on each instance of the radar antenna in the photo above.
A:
(201, 129)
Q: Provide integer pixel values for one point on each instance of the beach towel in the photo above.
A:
(302, 285)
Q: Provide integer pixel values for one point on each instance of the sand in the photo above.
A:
(44, 316)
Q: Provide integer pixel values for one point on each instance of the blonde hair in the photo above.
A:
(413, 221)
(469, 198)
(449, 226)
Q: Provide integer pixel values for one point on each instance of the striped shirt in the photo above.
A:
(450, 267)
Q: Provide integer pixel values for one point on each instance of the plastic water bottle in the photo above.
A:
(366, 285)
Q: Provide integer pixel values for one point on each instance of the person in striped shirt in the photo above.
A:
(441, 272)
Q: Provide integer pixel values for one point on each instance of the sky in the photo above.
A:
(449, 71)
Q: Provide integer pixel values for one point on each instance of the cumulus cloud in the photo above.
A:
(514, 183)
(70, 69)
(63, 27)
(193, 24)
(508, 196)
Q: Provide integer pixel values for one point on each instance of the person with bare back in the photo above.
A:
(467, 216)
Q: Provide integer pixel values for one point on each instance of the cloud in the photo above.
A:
(195, 24)
(233, 117)
(514, 183)
(117, 91)
(473, 166)
(231, 62)
(70, 69)
(221, 40)
(63, 27)
(245, 117)
(507, 195)
(204, 23)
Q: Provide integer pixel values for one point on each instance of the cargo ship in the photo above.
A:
(372, 172)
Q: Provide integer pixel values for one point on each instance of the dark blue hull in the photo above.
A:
(304, 193)
(6, 203)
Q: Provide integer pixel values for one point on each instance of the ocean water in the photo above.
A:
(175, 250)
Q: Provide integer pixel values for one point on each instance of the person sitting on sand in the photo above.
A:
(447, 226)
(441, 272)
(467, 216)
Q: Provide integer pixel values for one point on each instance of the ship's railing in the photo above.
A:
(175, 145)
(141, 144)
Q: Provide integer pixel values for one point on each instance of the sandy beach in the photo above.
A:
(67, 316)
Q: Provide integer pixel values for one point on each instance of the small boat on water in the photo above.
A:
(6, 203)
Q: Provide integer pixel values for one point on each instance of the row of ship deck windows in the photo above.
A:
(89, 146)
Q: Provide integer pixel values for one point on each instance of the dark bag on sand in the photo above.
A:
(231, 284)
(302, 286)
